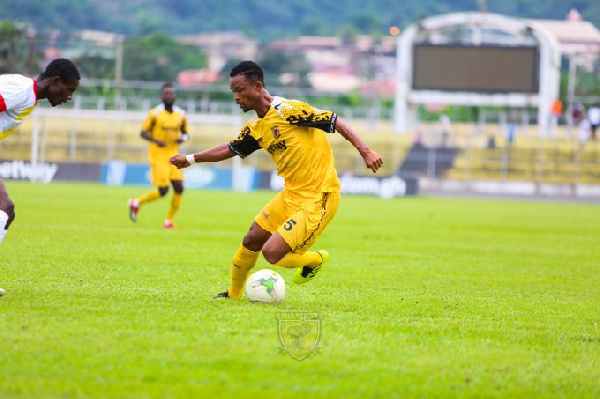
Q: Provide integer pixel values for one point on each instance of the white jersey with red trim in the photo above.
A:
(18, 97)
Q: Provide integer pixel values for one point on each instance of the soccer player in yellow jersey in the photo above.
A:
(293, 133)
(165, 128)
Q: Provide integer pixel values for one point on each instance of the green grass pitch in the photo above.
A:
(422, 297)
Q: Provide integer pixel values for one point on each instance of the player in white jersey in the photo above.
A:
(18, 97)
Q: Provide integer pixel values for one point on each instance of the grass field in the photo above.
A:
(422, 297)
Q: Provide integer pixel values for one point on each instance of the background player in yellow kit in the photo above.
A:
(294, 134)
(165, 128)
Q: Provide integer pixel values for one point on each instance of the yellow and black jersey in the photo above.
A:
(293, 133)
(168, 127)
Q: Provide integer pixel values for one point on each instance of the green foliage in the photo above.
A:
(366, 22)
(456, 113)
(353, 99)
(263, 18)
(97, 67)
(294, 64)
(348, 34)
(422, 297)
(13, 46)
(588, 84)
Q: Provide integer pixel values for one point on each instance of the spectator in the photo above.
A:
(594, 119)
(557, 111)
(445, 122)
(584, 126)
(418, 139)
(510, 137)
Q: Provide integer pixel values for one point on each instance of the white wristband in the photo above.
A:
(190, 159)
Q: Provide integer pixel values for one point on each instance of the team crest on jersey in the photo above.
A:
(275, 131)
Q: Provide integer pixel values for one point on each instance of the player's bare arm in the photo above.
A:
(371, 158)
(184, 136)
(216, 154)
(147, 136)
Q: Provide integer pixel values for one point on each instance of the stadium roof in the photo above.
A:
(572, 35)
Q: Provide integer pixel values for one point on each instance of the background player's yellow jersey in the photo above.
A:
(168, 127)
(293, 133)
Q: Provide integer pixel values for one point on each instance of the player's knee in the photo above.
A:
(11, 218)
(271, 254)
(252, 242)
(9, 207)
(163, 191)
(178, 188)
(271, 257)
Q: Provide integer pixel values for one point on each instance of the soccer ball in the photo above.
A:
(265, 286)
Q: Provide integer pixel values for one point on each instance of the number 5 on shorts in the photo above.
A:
(289, 225)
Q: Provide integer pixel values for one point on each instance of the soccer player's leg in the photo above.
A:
(3, 223)
(301, 232)
(159, 176)
(7, 210)
(7, 214)
(309, 272)
(279, 253)
(265, 223)
(244, 260)
(176, 176)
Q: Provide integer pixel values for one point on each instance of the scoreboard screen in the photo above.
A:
(483, 69)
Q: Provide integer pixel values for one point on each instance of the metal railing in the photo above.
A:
(89, 131)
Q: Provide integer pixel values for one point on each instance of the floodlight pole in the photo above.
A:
(119, 70)
(571, 93)
(482, 5)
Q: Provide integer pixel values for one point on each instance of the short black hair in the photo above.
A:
(250, 69)
(167, 85)
(63, 68)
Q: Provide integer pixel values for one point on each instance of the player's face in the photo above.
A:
(60, 92)
(168, 95)
(245, 93)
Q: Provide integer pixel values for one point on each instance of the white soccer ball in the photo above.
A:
(265, 286)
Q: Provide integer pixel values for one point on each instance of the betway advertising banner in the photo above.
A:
(384, 187)
(196, 177)
(200, 177)
(47, 172)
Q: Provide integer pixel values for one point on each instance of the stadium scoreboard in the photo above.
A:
(481, 69)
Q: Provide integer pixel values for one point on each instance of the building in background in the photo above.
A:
(222, 47)
(575, 37)
(341, 65)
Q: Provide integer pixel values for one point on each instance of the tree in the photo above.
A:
(293, 64)
(348, 34)
(12, 45)
(96, 67)
(366, 23)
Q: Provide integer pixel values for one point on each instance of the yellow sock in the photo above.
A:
(243, 261)
(293, 260)
(175, 204)
(149, 197)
